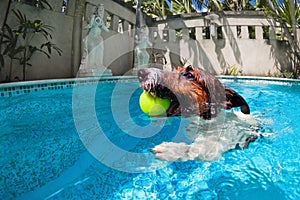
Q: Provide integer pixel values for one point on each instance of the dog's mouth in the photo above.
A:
(164, 93)
(150, 82)
(174, 109)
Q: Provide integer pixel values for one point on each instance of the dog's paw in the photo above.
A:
(171, 151)
(208, 151)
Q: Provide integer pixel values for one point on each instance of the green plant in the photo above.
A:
(285, 74)
(283, 11)
(290, 74)
(237, 5)
(19, 42)
(10, 42)
(287, 13)
(232, 70)
(160, 8)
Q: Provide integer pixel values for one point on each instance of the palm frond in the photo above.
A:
(21, 17)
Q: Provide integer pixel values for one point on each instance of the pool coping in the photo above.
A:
(59, 80)
(259, 78)
(17, 88)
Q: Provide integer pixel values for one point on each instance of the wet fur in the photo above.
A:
(197, 94)
(197, 91)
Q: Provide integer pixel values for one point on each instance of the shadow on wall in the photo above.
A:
(219, 45)
(118, 53)
(179, 50)
(191, 50)
(231, 37)
(201, 57)
(227, 35)
(281, 52)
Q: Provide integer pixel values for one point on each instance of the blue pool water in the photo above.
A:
(45, 136)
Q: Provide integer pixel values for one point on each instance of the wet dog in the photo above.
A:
(195, 93)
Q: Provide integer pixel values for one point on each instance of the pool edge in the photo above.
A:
(18, 88)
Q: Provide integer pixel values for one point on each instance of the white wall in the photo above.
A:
(42, 67)
(118, 46)
(253, 56)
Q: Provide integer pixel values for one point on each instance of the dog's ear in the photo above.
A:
(211, 85)
(213, 88)
(233, 99)
(179, 69)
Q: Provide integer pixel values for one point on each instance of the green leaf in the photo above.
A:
(44, 4)
(22, 18)
(37, 24)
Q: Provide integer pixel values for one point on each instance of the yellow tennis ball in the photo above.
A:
(153, 106)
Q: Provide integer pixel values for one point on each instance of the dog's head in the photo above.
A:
(190, 90)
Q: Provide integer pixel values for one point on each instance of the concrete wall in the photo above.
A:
(257, 56)
(118, 43)
(42, 67)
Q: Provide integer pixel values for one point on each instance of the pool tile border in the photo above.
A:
(19, 88)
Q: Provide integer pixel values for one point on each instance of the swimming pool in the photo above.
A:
(46, 127)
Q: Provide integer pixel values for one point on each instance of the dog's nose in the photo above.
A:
(142, 74)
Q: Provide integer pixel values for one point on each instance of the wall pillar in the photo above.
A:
(244, 32)
(126, 26)
(172, 35)
(199, 33)
(230, 32)
(272, 33)
(185, 34)
(160, 34)
(258, 33)
(115, 23)
(77, 36)
(298, 36)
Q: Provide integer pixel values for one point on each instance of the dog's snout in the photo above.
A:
(142, 74)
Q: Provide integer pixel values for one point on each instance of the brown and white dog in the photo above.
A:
(191, 91)
(195, 92)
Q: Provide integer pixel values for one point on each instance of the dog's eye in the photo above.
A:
(188, 75)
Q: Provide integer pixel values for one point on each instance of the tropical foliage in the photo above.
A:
(170, 7)
(21, 44)
(154, 8)
(283, 11)
(287, 13)
(237, 5)
(159, 8)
